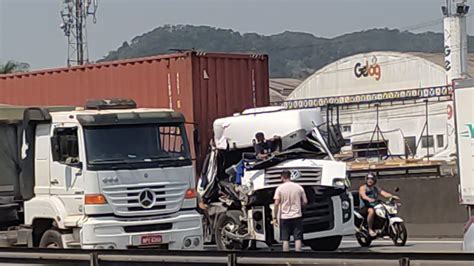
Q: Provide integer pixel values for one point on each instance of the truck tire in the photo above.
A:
(229, 221)
(324, 244)
(51, 239)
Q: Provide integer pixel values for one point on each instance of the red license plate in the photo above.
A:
(151, 239)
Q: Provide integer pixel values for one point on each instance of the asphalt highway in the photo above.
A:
(350, 244)
(412, 245)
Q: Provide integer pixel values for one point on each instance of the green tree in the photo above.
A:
(13, 67)
(292, 54)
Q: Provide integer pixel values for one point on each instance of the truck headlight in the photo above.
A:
(339, 183)
(246, 189)
(346, 205)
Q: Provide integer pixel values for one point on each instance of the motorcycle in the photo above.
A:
(386, 223)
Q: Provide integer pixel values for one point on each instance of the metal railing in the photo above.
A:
(142, 257)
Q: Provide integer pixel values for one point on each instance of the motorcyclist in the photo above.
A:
(369, 194)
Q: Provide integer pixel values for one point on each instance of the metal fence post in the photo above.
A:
(404, 262)
(94, 261)
(231, 259)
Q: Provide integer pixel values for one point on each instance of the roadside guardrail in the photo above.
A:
(149, 257)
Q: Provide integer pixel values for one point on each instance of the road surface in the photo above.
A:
(413, 245)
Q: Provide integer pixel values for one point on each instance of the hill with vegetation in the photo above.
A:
(292, 54)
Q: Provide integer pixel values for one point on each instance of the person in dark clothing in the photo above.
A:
(369, 194)
(263, 147)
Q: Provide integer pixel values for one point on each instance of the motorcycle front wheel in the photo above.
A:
(363, 239)
(400, 234)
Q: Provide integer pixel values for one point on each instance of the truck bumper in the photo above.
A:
(342, 227)
(181, 231)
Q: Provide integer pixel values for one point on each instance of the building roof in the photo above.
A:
(280, 88)
(374, 72)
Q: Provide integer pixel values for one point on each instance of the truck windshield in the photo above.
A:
(136, 144)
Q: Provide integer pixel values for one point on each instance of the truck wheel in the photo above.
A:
(51, 239)
(229, 222)
(324, 244)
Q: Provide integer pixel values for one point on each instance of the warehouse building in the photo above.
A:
(280, 88)
(389, 103)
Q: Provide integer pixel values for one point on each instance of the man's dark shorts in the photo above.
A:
(365, 211)
(289, 227)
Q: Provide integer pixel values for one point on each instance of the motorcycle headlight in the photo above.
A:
(392, 210)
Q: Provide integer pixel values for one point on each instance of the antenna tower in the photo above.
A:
(74, 14)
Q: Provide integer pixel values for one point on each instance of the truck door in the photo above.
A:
(66, 168)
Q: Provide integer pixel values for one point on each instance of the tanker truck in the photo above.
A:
(107, 176)
(237, 202)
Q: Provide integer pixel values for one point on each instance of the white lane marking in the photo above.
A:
(414, 241)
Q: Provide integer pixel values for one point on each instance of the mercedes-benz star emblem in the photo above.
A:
(147, 198)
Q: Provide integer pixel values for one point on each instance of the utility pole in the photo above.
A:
(455, 39)
(455, 49)
(74, 15)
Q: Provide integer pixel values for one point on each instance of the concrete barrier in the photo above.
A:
(430, 206)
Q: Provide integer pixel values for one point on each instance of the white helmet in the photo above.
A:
(294, 175)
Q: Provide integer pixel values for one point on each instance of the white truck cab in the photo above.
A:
(110, 176)
(238, 200)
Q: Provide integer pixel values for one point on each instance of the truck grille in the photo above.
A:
(124, 199)
(309, 176)
(318, 216)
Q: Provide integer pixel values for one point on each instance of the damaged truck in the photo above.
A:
(237, 201)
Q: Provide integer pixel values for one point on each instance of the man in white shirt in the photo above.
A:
(289, 199)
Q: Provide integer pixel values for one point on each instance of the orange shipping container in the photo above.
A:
(203, 86)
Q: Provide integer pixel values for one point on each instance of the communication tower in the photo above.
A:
(74, 14)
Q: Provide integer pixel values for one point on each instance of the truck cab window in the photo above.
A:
(64, 145)
(128, 145)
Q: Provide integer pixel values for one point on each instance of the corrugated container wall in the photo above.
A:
(203, 86)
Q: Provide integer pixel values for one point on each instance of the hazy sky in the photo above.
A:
(29, 29)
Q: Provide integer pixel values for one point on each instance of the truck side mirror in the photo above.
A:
(74, 164)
